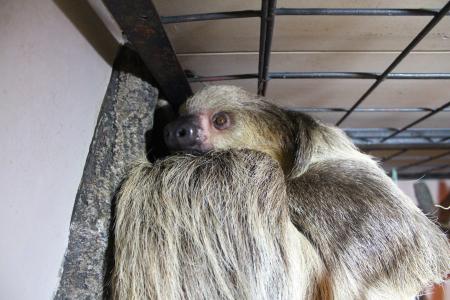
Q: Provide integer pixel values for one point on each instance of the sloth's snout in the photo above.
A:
(181, 134)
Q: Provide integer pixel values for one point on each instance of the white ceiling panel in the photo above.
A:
(309, 33)
(210, 64)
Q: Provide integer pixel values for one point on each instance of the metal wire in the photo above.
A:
(417, 121)
(380, 133)
(366, 110)
(355, 12)
(301, 12)
(398, 146)
(402, 168)
(265, 43)
(355, 75)
(394, 155)
(321, 75)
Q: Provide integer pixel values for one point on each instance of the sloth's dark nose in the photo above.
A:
(181, 134)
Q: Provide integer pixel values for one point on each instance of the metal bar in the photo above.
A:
(262, 41)
(394, 155)
(222, 77)
(142, 26)
(211, 16)
(384, 128)
(356, 75)
(417, 121)
(409, 146)
(268, 46)
(402, 168)
(409, 136)
(366, 110)
(301, 12)
(399, 58)
(321, 75)
(265, 43)
(389, 130)
(397, 141)
(355, 12)
(375, 138)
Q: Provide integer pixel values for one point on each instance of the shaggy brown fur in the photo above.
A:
(374, 242)
(209, 227)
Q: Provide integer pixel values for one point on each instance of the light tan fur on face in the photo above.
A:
(244, 108)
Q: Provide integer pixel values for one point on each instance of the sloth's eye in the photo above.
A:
(221, 120)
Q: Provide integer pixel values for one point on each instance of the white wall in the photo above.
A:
(52, 83)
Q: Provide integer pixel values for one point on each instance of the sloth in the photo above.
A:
(373, 242)
(210, 227)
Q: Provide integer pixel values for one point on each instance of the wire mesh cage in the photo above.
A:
(413, 152)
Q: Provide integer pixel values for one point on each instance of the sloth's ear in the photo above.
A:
(317, 141)
(303, 127)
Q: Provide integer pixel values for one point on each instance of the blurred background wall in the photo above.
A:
(55, 64)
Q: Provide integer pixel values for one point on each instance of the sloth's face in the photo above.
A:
(229, 118)
(199, 132)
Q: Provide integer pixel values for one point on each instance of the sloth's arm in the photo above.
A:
(365, 227)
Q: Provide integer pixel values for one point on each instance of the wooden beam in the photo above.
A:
(142, 27)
